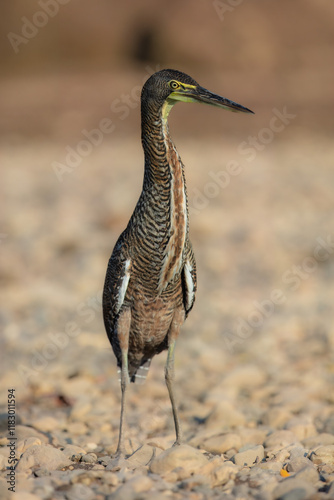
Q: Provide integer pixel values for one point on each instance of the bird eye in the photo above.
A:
(173, 85)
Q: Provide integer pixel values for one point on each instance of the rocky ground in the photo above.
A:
(254, 363)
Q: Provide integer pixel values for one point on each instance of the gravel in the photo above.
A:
(257, 417)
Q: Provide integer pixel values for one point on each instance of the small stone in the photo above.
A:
(194, 481)
(89, 458)
(42, 472)
(125, 491)
(250, 456)
(302, 427)
(252, 436)
(321, 439)
(141, 483)
(80, 409)
(23, 432)
(178, 456)
(46, 424)
(279, 439)
(308, 474)
(77, 428)
(220, 443)
(24, 444)
(298, 464)
(77, 457)
(91, 446)
(42, 456)
(272, 465)
(276, 417)
(293, 489)
(298, 451)
(72, 449)
(323, 455)
(224, 416)
(80, 490)
(221, 475)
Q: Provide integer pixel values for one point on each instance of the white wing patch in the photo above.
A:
(190, 296)
(124, 285)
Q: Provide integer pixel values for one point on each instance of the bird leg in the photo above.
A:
(169, 370)
(124, 383)
(123, 330)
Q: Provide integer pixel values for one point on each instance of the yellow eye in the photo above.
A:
(173, 85)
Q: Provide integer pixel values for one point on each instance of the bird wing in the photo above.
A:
(116, 283)
(189, 279)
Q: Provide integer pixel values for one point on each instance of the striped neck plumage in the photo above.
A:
(164, 175)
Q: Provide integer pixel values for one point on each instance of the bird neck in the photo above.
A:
(158, 147)
(165, 193)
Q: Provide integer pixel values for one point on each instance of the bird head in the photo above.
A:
(167, 87)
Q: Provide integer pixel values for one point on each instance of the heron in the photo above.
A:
(150, 282)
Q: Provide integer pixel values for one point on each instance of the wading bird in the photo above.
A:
(150, 283)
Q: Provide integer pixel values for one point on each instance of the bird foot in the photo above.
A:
(118, 462)
(177, 443)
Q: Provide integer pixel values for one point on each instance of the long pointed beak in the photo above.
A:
(200, 94)
(203, 95)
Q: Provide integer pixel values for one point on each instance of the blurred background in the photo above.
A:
(72, 167)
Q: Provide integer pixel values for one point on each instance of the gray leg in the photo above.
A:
(123, 330)
(124, 384)
(169, 377)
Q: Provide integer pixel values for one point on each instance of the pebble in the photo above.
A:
(249, 456)
(47, 424)
(298, 464)
(24, 444)
(133, 488)
(321, 439)
(293, 488)
(276, 417)
(252, 436)
(22, 432)
(220, 443)
(266, 393)
(279, 439)
(301, 427)
(224, 416)
(42, 456)
(221, 475)
(183, 456)
(80, 491)
(72, 449)
(323, 455)
(194, 481)
(308, 474)
(77, 428)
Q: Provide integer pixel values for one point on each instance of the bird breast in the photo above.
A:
(173, 254)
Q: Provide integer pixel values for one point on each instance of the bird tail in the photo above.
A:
(138, 375)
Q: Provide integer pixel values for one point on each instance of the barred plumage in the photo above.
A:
(150, 283)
